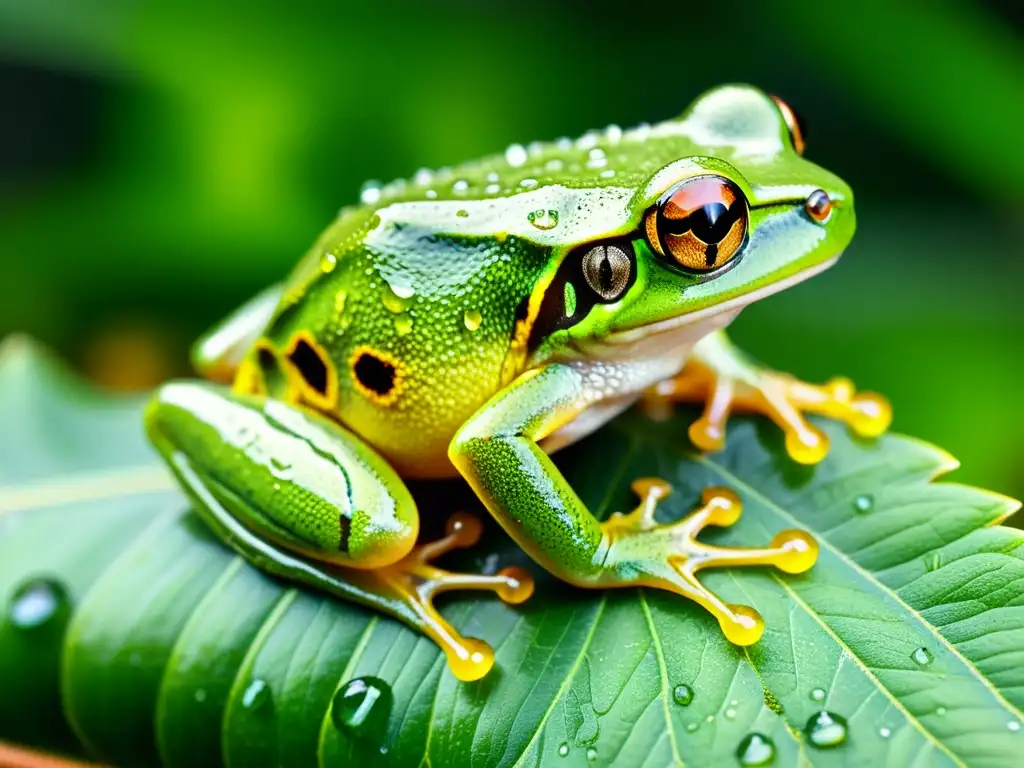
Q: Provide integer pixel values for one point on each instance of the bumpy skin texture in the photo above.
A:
(478, 318)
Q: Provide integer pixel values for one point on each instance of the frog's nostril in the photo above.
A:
(818, 205)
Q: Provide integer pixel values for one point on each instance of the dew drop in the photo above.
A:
(492, 189)
(431, 194)
(460, 186)
(361, 708)
(864, 503)
(825, 730)
(607, 174)
(462, 213)
(339, 302)
(423, 176)
(1013, 725)
(328, 262)
(396, 298)
(200, 695)
(730, 714)
(922, 657)
(528, 183)
(563, 750)
(591, 754)
(691, 727)
(472, 319)
(682, 694)
(940, 711)
(818, 694)
(256, 696)
(756, 749)
(37, 603)
(554, 165)
(885, 733)
(542, 219)
(515, 155)
(403, 325)
(370, 193)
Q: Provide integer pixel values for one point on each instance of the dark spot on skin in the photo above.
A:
(310, 365)
(267, 360)
(375, 374)
(346, 526)
(523, 309)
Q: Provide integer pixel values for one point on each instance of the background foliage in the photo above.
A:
(162, 161)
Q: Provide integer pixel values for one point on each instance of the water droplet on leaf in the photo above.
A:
(563, 750)
(818, 694)
(682, 694)
(864, 503)
(361, 708)
(922, 657)
(37, 603)
(825, 730)
(256, 696)
(756, 749)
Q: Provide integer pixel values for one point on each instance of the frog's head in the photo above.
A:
(725, 211)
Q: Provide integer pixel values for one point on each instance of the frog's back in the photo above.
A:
(415, 307)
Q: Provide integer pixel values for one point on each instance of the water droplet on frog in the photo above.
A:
(864, 503)
(554, 165)
(403, 325)
(423, 176)
(256, 696)
(825, 730)
(922, 657)
(472, 319)
(361, 708)
(460, 186)
(755, 749)
(492, 189)
(682, 694)
(818, 694)
(515, 155)
(528, 183)
(607, 174)
(370, 192)
(462, 213)
(563, 749)
(328, 262)
(730, 714)
(1013, 725)
(591, 754)
(200, 695)
(431, 194)
(885, 733)
(613, 133)
(394, 301)
(542, 219)
(339, 302)
(38, 603)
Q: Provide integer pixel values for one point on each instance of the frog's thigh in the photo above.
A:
(723, 379)
(303, 498)
(218, 353)
(498, 453)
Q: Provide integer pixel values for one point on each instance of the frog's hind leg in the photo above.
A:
(303, 498)
(220, 351)
(723, 379)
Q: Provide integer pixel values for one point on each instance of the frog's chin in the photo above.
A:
(703, 321)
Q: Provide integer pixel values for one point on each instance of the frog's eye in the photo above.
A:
(700, 224)
(797, 129)
(607, 269)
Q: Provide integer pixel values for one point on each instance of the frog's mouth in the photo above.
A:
(716, 316)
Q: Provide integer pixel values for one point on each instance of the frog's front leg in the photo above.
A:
(303, 498)
(723, 379)
(498, 453)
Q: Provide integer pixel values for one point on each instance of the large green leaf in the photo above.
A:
(174, 650)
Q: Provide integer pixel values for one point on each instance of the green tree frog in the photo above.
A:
(476, 319)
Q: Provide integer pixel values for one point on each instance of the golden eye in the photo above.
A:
(797, 129)
(607, 269)
(700, 224)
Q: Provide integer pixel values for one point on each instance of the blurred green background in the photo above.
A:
(162, 161)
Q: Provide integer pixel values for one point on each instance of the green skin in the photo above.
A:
(418, 337)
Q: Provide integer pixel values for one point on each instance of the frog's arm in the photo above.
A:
(301, 497)
(218, 353)
(722, 378)
(498, 453)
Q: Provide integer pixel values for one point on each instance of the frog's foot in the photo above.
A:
(415, 582)
(782, 398)
(644, 553)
